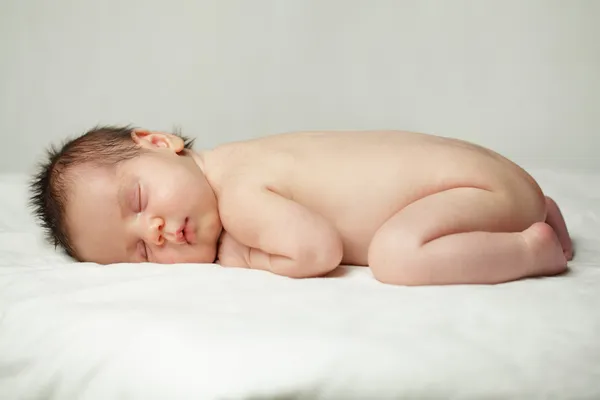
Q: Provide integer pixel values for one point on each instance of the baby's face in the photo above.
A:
(157, 207)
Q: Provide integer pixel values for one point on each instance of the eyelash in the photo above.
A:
(139, 209)
(138, 205)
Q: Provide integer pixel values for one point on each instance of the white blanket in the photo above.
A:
(83, 331)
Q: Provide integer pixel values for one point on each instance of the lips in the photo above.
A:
(188, 232)
(180, 236)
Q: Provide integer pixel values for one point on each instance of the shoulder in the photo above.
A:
(244, 206)
(237, 200)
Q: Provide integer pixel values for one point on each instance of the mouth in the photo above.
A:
(181, 236)
(187, 231)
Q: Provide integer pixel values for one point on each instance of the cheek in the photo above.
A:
(181, 178)
(165, 198)
(176, 189)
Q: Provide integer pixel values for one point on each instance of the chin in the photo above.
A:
(200, 256)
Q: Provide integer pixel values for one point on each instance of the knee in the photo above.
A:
(397, 263)
(401, 274)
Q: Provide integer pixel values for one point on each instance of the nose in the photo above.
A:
(155, 231)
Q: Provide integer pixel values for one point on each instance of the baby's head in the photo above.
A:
(118, 194)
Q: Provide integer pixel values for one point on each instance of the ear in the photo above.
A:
(152, 140)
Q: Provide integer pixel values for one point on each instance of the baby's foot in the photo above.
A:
(546, 251)
(555, 219)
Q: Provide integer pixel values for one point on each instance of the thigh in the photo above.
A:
(452, 211)
(463, 235)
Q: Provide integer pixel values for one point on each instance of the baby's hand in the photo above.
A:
(232, 253)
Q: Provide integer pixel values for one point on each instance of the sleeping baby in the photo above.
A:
(415, 208)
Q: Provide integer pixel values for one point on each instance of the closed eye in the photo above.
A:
(138, 206)
(136, 202)
(142, 200)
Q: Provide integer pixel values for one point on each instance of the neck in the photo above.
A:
(199, 158)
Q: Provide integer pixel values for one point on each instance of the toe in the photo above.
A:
(568, 254)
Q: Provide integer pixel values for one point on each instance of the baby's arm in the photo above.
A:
(284, 237)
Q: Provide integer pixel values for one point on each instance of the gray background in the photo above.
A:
(520, 76)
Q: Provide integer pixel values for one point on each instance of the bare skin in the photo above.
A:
(417, 209)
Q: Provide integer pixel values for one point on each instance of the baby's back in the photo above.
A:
(357, 180)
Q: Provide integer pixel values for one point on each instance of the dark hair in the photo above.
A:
(100, 146)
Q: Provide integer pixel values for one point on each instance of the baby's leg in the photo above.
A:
(464, 235)
(557, 222)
